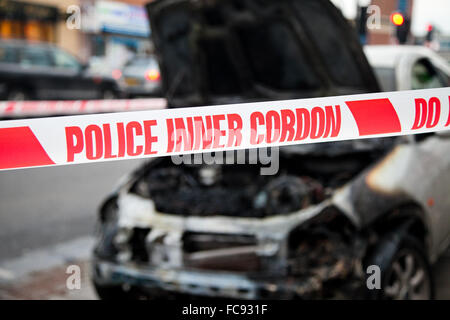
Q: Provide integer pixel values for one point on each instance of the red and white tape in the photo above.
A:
(13, 109)
(155, 133)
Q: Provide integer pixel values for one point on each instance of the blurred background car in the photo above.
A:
(141, 77)
(408, 67)
(99, 66)
(36, 71)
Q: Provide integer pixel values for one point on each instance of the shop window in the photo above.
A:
(31, 30)
(11, 29)
(38, 31)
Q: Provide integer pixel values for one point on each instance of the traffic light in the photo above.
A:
(430, 33)
(397, 19)
(402, 26)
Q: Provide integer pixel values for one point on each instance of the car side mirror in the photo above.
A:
(83, 67)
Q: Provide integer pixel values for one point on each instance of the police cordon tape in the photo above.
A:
(14, 109)
(155, 133)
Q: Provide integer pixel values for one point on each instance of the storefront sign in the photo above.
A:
(121, 18)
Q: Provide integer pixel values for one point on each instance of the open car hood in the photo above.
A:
(228, 51)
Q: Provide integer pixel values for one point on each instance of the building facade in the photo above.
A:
(111, 30)
(39, 20)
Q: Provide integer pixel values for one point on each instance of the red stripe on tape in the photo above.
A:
(375, 116)
(19, 147)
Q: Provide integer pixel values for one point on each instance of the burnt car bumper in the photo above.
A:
(208, 283)
(230, 257)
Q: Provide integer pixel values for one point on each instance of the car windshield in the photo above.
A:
(8, 54)
(142, 62)
(36, 56)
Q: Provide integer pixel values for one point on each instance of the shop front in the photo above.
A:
(29, 21)
(116, 31)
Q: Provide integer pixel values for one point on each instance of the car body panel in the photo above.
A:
(134, 77)
(48, 80)
(401, 59)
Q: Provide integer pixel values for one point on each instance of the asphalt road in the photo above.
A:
(40, 207)
(47, 218)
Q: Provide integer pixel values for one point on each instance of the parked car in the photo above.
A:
(30, 70)
(310, 231)
(141, 77)
(100, 66)
(408, 67)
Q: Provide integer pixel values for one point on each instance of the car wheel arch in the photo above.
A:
(24, 87)
(331, 218)
(410, 218)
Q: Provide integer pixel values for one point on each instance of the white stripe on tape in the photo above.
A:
(13, 109)
(155, 133)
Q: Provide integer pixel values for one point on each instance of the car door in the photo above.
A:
(430, 163)
(8, 64)
(426, 75)
(438, 180)
(35, 70)
(236, 51)
(74, 83)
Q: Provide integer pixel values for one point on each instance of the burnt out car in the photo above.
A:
(332, 211)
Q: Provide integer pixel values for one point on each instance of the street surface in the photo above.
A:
(44, 206)
(47, 223)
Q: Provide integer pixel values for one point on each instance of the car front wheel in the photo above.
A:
(408, 277)
(405, 271)
(18, 95)
(109, 94)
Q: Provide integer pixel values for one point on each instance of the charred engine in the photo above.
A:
(308, 175)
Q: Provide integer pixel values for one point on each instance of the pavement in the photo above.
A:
(44, 206)
(43, 274)
(47, 218)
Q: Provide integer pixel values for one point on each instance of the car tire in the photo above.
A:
(109, 94)
(405, 270)
(110, 292)
(119, 292)
(18, 95)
